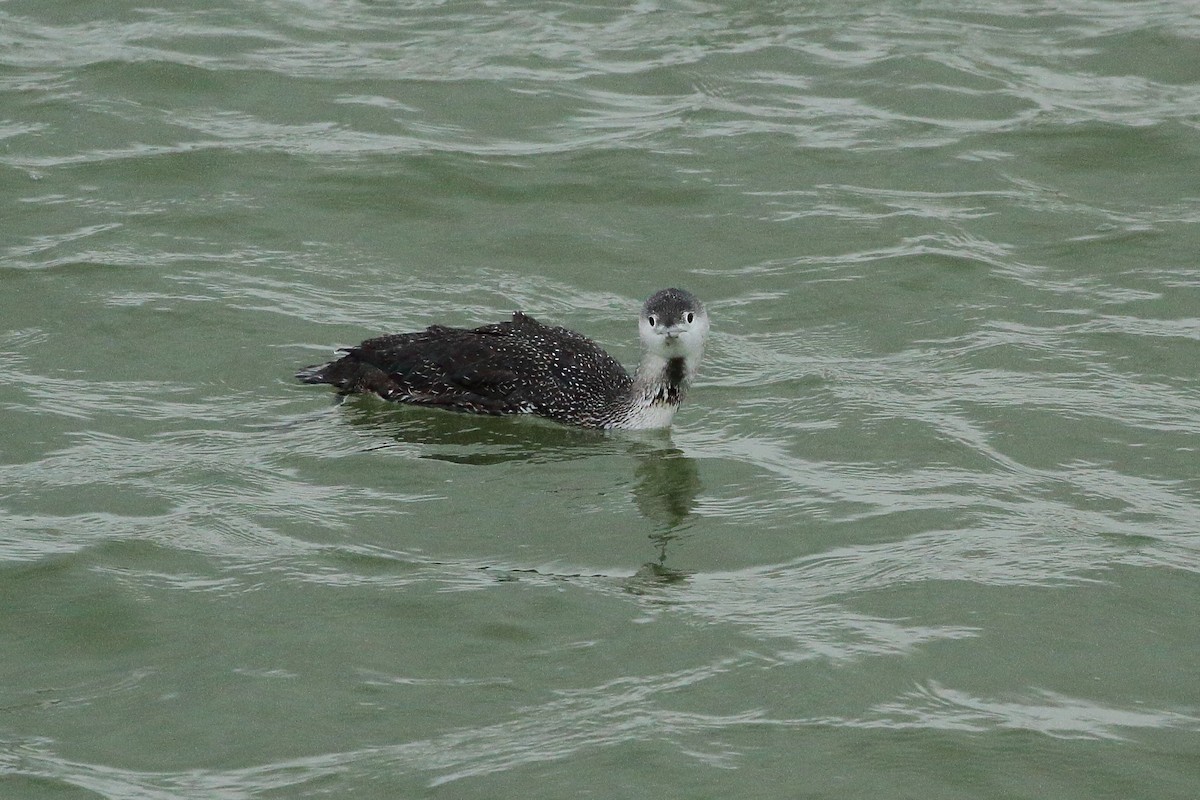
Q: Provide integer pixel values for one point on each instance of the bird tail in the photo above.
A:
(317, 373)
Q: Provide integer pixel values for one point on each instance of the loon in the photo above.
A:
(525, 367)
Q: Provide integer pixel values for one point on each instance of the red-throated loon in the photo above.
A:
(525, 367)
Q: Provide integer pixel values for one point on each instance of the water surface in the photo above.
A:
(929, 525)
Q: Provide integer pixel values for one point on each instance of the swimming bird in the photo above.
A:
(525, 367)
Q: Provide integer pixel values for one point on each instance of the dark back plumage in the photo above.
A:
(516, 367)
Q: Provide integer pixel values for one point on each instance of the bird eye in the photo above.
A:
(690, 317)
(650, 319)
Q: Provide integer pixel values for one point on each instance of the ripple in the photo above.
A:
(1049, 713)
(942, 454)
(582, 720)
(216, 492)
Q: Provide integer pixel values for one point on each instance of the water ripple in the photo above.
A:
(875, 64)
(952, 384)
(1050, 713)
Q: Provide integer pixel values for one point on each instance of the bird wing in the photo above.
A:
(507, 367)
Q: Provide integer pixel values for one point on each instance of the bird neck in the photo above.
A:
(662, 380)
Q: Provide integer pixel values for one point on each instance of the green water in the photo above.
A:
(928, 526)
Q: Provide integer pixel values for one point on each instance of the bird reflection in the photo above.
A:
(474, 440)
(665, 493)
(666, 481)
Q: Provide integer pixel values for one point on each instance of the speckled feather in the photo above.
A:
(513, 367)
